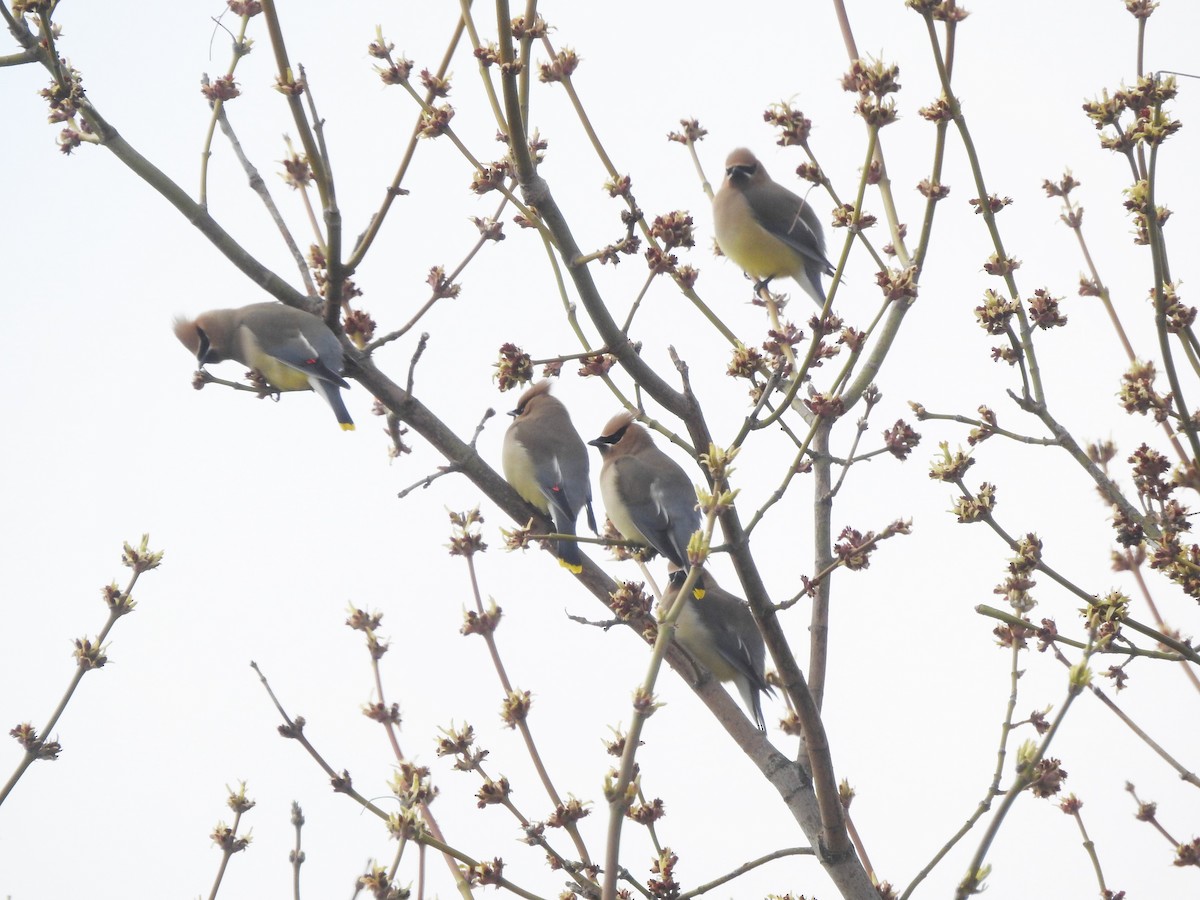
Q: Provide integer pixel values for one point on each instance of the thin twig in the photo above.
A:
(989, 428)
(89, 656)
(296, 856)
(449, 468)
(975, 873)
(1018, 622)
(1185, 774)
(240, 49)
(439, 292)
(521, 723)
(259, 186)
(993, 789)
(422, 343)
(744, 868)
(1135, 570)
(230, 845)
(294, 730)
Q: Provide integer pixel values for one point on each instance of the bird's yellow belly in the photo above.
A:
(519, 472)
(762, 256)
(280, 376)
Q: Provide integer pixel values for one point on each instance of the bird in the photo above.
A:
(766, 229)
(717, 629)
(294, 350)
(545, 460)
(647, 495)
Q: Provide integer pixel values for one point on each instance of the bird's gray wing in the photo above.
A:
(789, 218)
(575, 483)
(313, 349)
(727, 620)
(563, 476)
(561, 473)
(738, 654)
(666, 513)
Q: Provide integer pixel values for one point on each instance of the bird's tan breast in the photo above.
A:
(755, 250)
(615, 504)
(519, 470)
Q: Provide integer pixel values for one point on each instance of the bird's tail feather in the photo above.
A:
(567, 551)
(333, 396)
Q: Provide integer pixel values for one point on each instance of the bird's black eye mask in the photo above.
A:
(610, 439)
(741, 171)
(204, 349)
(679, 576)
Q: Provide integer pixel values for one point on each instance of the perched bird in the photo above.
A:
(293, 350)
(766, 229)
(546, 461)
(718, 629)
(647, 495)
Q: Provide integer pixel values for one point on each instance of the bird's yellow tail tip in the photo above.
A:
(347, 426)
(573, 569)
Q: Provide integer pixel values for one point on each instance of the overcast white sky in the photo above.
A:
(273, 520)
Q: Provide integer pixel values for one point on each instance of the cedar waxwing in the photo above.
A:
(718, 629)
(647, 495)
(545, 460)
(766, 229)
(293, 350)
